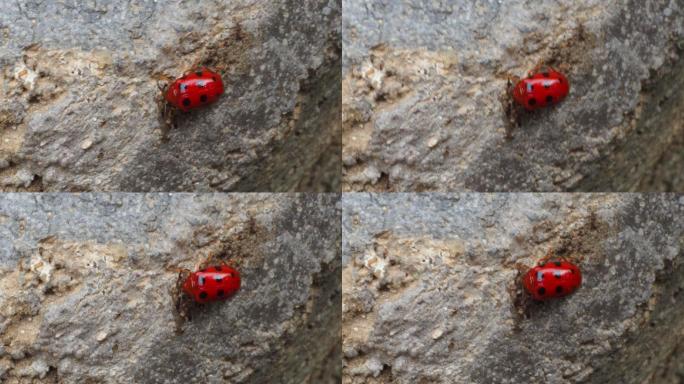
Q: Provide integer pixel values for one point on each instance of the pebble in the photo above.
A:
(101, 336)
(437, 333)
(87, 143)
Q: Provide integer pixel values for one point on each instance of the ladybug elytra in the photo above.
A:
(195, 89)
(541, 89)
(552, 279)
(212, 284)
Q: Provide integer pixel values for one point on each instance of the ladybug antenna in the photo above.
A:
(161, 85)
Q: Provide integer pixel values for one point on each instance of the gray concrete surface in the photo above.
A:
(422, 83)
(78, 83)
(430, 292)
(87, 286)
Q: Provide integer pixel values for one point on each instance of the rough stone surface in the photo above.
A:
(423, 82)
(430, 291)
(87, 286)
(79, 79)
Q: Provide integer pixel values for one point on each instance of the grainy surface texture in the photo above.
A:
(87, 289)
(431, 294)
(79, 82)
(423, 84)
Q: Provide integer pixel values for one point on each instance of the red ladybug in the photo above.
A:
(195, 89)
(212, 284)
(541, 89)
(552, 279)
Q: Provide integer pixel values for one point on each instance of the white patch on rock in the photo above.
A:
(374, 366)
(42, 268)
(24, 177)
(376, 265)
(372, 75)
(26, 76)
(40, 368)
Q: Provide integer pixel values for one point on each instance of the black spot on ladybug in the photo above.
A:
(545, 74)
(559, 289)
(532, 101)
(203, 295)
(558, 263)
(541, 291)
(198, 73)
(186, 102)
(549, 99)
(557, 275)
(220, 293)
(203, 98)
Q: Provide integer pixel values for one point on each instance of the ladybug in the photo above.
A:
(194, 89)
(541, 89)
(212, 284)
(552, 279)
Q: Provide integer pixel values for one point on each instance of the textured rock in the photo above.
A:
(78, 83)
(430, 293)
(422, 83)
(87, 286)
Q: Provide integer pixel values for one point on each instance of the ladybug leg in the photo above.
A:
(167, 123)
(213, 260)
(227, 264)
(536, 69)
(183, 273)
(511, 115)
(200, 265)
(549, 255)
(512, 80)
(521, 300)
(162, 86)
